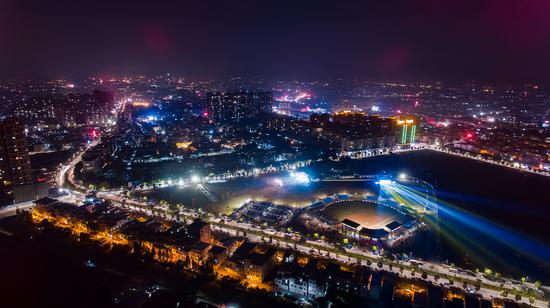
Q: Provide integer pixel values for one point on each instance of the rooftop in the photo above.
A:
(350, 223)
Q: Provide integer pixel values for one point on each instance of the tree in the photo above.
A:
(379, 264)
(518, 297)
(424, 275)
(538, 284)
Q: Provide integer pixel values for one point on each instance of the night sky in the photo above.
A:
(500, 40)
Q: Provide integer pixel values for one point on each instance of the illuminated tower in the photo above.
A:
(407, 132)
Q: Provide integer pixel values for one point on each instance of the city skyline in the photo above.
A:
(275, 153)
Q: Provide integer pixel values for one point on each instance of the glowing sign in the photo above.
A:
(141, 104)
(407, 121)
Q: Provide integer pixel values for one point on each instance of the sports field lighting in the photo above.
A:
(300, 177)
(195, 178)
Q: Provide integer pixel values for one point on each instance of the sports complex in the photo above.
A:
(384, 210)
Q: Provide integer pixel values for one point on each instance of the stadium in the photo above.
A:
(366, 218)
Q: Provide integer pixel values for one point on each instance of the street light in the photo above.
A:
(402, 176)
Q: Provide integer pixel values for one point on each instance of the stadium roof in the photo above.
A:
(373, 233)
(350, 223)
(394, 225)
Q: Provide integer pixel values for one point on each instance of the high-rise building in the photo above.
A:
(357, 131)
(265, 102)
(15, 166)
(229, 108)
(407, 132)
(91, 109)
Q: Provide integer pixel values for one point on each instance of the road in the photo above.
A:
(69, 168)
(488, 288)
(11, 210)
(323, 249)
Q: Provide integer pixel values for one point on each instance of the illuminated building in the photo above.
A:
(15, 166)
(301, 280)
(165, 242)
(374, 234)
(350, 226)
(91, 109)
(200, 230)
(252, 262)
(349, 117)
(230, 108)
(217, 254)
(183, 144)
(357, 131)
(92, 160)
(407, 132)
(198, 253)
(141, 104)
(91, 163)
(320, 120)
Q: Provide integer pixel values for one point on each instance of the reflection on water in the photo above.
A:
(512, 202)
